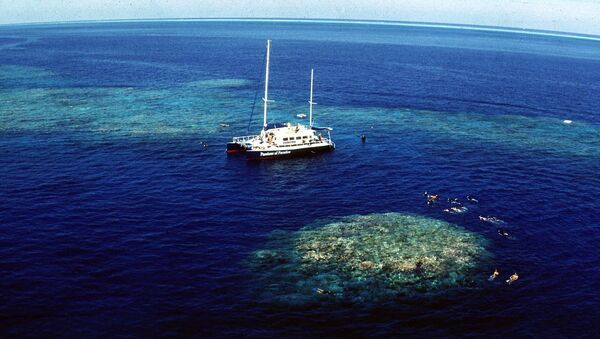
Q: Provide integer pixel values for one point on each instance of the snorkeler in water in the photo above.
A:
(322, 291)
(472, 199)
(512, 278)
(503, 232)
(456, 209)
(431, 198)
(492, 220)
(453, 200)
(419, 267)
(494, 275)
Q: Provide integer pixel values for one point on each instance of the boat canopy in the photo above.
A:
(275, 125)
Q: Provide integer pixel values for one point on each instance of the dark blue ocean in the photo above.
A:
(116, 221)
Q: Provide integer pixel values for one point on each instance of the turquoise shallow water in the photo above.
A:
(199, 107)
(119, 111)
(115, 220)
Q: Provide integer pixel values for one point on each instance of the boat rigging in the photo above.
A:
(278, 140)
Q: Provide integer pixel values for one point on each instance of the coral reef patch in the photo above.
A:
(364, 258)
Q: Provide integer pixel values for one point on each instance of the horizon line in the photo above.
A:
(501, 29)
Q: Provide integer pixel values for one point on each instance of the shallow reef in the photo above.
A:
(37, 100)
(366, 258)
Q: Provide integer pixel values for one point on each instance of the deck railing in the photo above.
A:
(244, 139)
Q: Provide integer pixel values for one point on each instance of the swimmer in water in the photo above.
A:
(456, 209)
(472, 198)
(419, 267)
(431, 198)
(322, 291)
(512, 278)
(492, 220)
(453, 200)
(503, 232)
(494, 275)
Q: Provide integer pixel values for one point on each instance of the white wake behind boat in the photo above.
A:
(277, 140)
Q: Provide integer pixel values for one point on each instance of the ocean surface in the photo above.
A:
(116, 221)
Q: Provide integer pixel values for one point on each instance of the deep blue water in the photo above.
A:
(115, 221)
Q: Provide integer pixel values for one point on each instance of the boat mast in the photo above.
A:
(266, 97)
(310, 101)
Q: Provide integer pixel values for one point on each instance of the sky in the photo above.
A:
(576, 16)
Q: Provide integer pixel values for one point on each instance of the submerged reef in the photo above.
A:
(364, 258)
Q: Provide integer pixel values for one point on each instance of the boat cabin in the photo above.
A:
(291, 135)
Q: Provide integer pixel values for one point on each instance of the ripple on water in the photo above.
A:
(14, 72)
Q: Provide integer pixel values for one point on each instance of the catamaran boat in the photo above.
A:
(283, 140)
